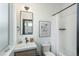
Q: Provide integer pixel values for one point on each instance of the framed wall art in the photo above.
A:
(44, 28)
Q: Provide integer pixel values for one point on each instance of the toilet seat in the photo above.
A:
(48, 53)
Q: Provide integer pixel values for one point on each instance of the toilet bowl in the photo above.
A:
(46, 50)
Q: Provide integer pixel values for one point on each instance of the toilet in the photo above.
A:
(46, 50)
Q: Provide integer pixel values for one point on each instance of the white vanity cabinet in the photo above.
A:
(29, 49)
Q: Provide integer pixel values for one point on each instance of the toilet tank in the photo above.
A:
(45, 47)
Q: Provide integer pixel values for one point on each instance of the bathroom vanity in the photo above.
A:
(29, 49)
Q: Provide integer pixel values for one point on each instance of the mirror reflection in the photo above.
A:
(27, 26)
(26, 23)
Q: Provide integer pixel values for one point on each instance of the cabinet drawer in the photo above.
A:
(26, 53)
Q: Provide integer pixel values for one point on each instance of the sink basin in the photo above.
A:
(24, 46)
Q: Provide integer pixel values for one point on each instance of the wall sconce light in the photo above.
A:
(18, 28)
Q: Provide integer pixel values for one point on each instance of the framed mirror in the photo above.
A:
(26, 22)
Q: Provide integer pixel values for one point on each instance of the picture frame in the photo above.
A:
(44, 28)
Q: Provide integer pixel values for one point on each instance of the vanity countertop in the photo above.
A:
(24, 46)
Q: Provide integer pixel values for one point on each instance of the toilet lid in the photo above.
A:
(49, 54)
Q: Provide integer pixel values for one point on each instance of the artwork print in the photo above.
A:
(44, 29)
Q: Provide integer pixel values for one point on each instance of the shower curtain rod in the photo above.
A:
(64, 9)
